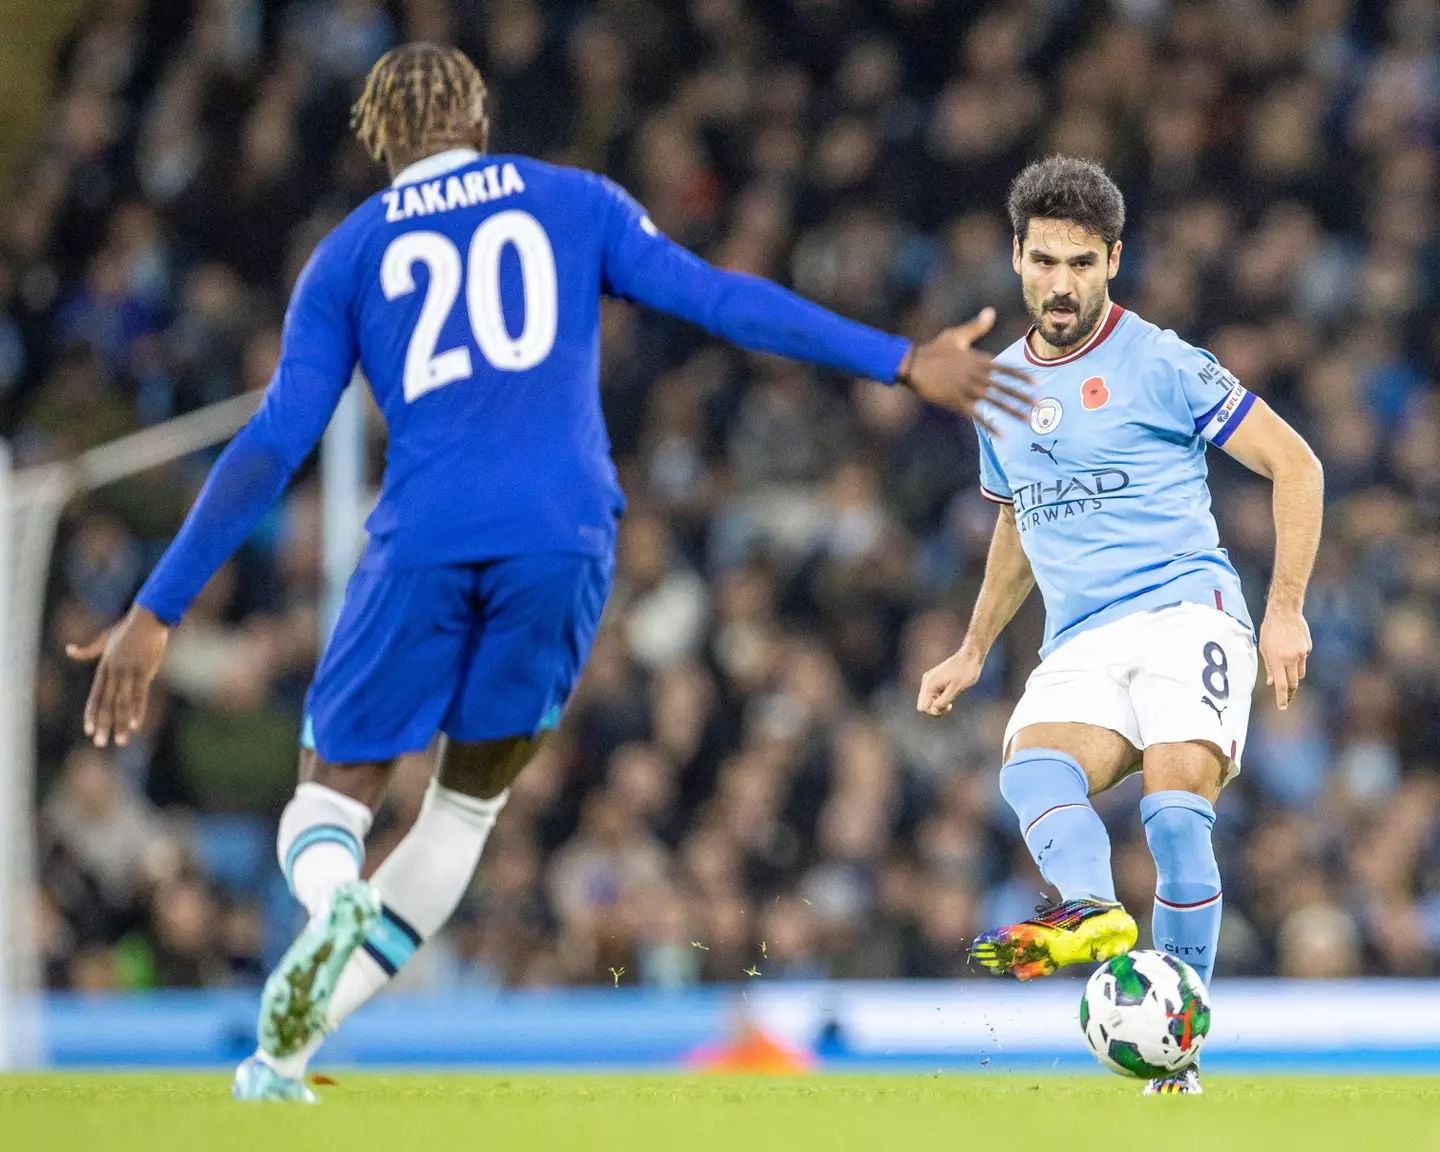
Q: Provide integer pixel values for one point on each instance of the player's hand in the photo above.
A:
(1284, 645)
(130, 655)
(944, 682)
(947, 371)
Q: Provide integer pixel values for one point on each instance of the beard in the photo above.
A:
(1074, 332)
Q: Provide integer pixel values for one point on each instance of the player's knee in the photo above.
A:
(485, 769)
(1177, 829)
(363, 782)
(1196, 766)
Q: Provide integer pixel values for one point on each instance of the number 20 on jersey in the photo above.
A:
(425, 369)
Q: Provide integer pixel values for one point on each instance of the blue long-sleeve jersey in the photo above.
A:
(468, 293)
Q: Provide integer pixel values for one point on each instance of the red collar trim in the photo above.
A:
(1092, 341)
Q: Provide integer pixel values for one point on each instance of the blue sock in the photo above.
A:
(1187, 889)
(1050, 795)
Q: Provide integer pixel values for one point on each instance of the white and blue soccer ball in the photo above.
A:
(1145, 1014)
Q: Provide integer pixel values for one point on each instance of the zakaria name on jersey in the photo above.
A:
(464, 190)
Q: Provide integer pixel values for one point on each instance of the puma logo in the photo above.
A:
(1219, 711)
(1050, 452)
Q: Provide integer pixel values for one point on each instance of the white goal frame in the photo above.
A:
(32, 502)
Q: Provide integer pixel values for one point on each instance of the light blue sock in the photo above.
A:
(1187, 889)
(1050, 795)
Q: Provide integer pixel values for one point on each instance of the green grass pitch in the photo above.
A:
(58, 1112)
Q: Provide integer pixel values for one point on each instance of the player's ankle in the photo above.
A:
(292, 1067)
(1108, 899)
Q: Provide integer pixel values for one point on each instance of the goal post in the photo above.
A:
(342, 497)
(14, 847)
(32, 502)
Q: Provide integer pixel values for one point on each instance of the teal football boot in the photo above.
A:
(256, 1080)
(297, 996)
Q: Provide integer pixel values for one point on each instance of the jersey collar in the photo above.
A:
(437, 165)
(1094, 340)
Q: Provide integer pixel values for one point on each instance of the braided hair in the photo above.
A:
(420, 99)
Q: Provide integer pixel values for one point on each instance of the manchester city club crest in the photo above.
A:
(1045, 416)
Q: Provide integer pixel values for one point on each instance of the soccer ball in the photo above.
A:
(1145, 1014)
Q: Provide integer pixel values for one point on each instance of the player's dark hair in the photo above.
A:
(1067, 188)
(419, 99)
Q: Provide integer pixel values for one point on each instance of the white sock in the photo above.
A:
(294, 1066)
(420, 884)
(321, 843)
(431, 868)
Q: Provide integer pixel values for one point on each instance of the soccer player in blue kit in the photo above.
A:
(469, 294)
(1149, 659)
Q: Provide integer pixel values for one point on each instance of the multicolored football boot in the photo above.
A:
(1185, 1083)
(1071, 932)
(297, 994)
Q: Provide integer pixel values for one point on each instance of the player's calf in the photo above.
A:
(1187, 891)
(1050, 795)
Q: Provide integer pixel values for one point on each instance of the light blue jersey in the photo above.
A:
(1108, 481)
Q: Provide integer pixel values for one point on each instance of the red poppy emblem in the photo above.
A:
(1094, 394)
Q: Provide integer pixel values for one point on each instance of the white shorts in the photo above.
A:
(1167, 676)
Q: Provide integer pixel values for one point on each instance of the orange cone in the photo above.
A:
(751, 1050)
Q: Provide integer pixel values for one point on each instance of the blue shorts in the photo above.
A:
(479, 651)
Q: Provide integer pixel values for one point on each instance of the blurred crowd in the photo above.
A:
(741, 788)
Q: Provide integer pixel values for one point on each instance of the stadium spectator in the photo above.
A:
(741, 782)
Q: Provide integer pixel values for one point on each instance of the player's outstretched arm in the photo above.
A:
(316, 362)
(249, 476)
(643, 265)
(247, 479)
(1266, 444)
(1007, 582)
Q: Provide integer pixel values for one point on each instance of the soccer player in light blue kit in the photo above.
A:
(469, 293)
(1149, 660)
